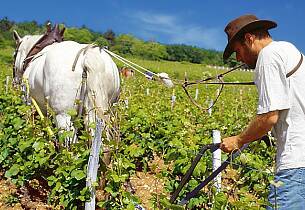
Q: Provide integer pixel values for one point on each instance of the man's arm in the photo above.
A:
(257, 128)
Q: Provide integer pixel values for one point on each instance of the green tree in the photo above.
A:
(176, 52)
(149, 50)
(109, 35)
(82, 35)
(193, 54)
(124, 44)
(5, 24)
(28, 28)
(101, 41)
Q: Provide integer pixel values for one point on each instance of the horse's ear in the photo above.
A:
(48, 27)
(62, 31)
(16, 37)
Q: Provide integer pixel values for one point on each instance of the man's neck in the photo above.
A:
(261, 43)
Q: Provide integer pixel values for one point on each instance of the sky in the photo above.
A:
(198, 23)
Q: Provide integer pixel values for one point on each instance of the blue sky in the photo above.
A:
(193, 22)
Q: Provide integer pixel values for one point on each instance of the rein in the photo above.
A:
(132, 65)
(185, 83)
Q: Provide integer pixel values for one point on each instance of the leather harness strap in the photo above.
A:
(50, 37)
(79, 53)
(295, 68)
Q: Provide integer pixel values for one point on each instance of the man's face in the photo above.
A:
(245, 53)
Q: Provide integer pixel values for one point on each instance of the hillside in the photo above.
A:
(124, 44)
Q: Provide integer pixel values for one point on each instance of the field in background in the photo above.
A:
(158, 142)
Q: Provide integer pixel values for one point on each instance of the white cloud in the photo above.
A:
(170, 29)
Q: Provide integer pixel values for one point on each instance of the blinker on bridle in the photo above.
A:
(15, 57)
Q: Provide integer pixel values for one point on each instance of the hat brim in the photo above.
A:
(264, 24)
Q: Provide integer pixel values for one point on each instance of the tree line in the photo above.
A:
(123, 44)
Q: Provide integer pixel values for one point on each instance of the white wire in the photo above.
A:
(129, 63)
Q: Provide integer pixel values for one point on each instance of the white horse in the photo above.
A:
(54, 76)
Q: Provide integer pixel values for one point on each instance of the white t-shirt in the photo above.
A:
(276, 92)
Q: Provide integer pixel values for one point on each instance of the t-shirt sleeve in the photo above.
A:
(273, 89)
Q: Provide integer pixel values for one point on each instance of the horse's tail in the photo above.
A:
(103, 81)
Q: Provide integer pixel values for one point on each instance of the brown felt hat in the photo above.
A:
(242, 24)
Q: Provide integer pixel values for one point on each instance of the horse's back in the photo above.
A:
(64, 52)
(64, 65)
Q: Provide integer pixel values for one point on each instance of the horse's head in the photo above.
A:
(23, 46)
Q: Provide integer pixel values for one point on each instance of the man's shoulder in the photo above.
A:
(278, 51)
(278, 46)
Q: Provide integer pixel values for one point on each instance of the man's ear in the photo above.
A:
(249, 39)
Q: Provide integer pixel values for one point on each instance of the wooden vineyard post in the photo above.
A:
(6, 83)
(126, 103)
(210, 107)
(173, 100)
(217, 92)
(196, 94)
(93, 163)
(217, 159)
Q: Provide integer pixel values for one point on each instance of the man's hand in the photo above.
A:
(257, 128)
(231, 144)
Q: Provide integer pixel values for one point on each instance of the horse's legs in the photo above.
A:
(63, 122)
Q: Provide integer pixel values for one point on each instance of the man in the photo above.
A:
(280, 80)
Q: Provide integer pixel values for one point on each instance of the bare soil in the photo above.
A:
(145, 185)
(30, 197)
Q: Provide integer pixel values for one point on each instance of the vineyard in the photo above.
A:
(156, 143)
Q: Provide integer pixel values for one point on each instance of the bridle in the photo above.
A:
(15, 56)
(14, 60)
